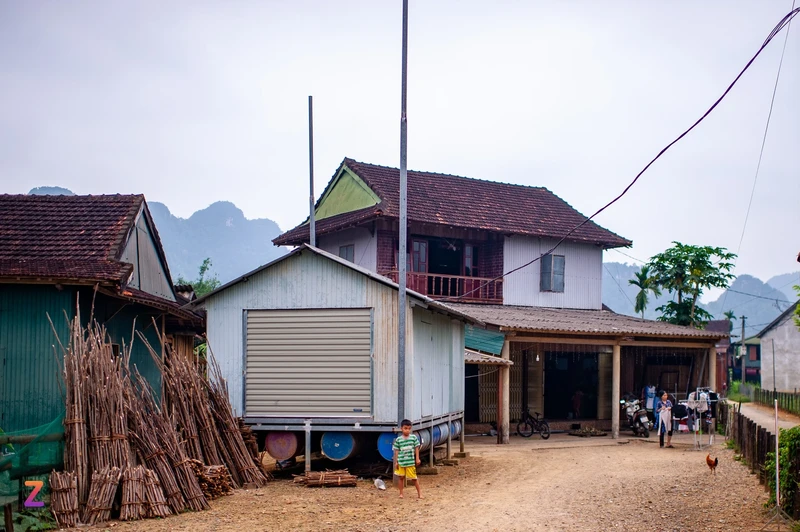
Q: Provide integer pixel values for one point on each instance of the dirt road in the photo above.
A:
(765, 416)
(562, 484)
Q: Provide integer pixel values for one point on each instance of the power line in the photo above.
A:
(763, 143)
(619, 286)
(783, 22)
(629, 256)
(757, 296)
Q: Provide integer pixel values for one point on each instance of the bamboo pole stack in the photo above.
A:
(101, 496)
(215, 480)
(64, 498)
(156, 502)
(134, 500)
(317, 479)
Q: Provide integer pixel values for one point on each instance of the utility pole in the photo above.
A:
(774, 381)
(403, 232)
(744, 354)
(312, 230)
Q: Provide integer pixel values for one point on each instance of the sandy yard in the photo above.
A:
(565, 483)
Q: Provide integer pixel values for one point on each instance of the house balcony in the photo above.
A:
(442, 286)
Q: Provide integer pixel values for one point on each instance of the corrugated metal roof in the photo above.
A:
(590, 322)
(484, 340)
(473, 357)
(428, 302)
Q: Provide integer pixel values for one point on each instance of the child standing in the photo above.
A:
(406, 456)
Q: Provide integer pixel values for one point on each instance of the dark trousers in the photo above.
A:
(661, 438)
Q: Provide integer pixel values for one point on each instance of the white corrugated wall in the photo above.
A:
(306, 281)
(583, 274)
(364, 242)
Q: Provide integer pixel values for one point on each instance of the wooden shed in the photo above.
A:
(311, 340)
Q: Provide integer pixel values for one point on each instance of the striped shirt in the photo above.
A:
(405, 450)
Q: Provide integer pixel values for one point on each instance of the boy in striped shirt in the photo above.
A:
(406, 456)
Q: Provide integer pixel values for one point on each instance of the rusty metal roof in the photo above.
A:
(574, 321)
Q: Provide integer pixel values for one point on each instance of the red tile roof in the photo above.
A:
(67, 238)
(464, 202)
(575, 321)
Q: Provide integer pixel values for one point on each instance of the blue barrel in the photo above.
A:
(424, 436)
(440, 434)
(339, 446)
(455, 428)
(385, 441)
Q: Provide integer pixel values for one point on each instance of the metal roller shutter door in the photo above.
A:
(308, 363)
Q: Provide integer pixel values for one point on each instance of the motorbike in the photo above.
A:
(637, 417)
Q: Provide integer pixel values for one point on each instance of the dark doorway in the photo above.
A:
(568, 374)
(472, 401)
(445, 256)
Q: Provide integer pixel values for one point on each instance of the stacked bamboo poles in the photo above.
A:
(242, 466)
(319, 479)
(215, 480)
(156, 503)
(75, 454)
(145, 418)
(134, 500)
(64, 498)
(101, 496)
(186, 393)
(250, 440)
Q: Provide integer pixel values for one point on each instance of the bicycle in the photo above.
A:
(530, 424)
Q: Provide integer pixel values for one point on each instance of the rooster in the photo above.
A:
(712, 464)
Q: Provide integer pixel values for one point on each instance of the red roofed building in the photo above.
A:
(486, 248)
(63, 256)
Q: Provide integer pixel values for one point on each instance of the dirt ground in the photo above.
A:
(565, 483)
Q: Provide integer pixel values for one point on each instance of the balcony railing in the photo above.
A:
(441, 286)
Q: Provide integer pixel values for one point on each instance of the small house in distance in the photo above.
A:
(780, 352)
(308, 343)
(61, 256)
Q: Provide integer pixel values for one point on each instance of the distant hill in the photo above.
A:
(220, 232)
(51, 191)
(760, 310)
(785, 284)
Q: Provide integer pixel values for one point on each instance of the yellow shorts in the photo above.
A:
(409, 472)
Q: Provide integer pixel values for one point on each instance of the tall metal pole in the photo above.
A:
(777, 459)
(745, 354)
(774, 381)
(312, 230)
(401, 300)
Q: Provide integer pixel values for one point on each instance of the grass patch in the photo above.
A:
(738, 398)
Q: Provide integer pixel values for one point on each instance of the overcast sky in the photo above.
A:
(194, 102)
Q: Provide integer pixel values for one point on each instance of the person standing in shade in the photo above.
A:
(406, 457)
(664, 411)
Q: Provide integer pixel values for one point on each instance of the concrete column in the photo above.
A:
(712, 368)
(505, 375)
(615, 378)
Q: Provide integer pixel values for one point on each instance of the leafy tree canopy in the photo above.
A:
(202, 285)
(685, 271)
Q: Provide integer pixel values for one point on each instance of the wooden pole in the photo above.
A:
(449, 435)
(615, 378)
(499, 407)
(712, 368)
(462, 438)
(8, 518)
(505, 377)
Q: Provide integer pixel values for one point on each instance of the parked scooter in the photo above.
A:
(637, 417)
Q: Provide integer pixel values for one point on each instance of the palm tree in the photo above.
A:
(645, 283)
(730, 316)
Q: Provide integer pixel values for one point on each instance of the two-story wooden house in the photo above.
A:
(571, 356)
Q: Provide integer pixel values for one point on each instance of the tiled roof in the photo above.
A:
(65, 237)
(468, 203)
(585, 322)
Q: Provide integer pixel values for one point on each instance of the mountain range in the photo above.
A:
(237, 245)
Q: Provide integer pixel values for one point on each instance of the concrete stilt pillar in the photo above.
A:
(615, 378)
(505, 375)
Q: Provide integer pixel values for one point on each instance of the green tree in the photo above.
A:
(685, 271)
(797, 308)
(731, 317)
(202, 285)
(645, 283)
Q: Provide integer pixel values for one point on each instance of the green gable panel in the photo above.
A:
(349, 193)
(483, 340)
